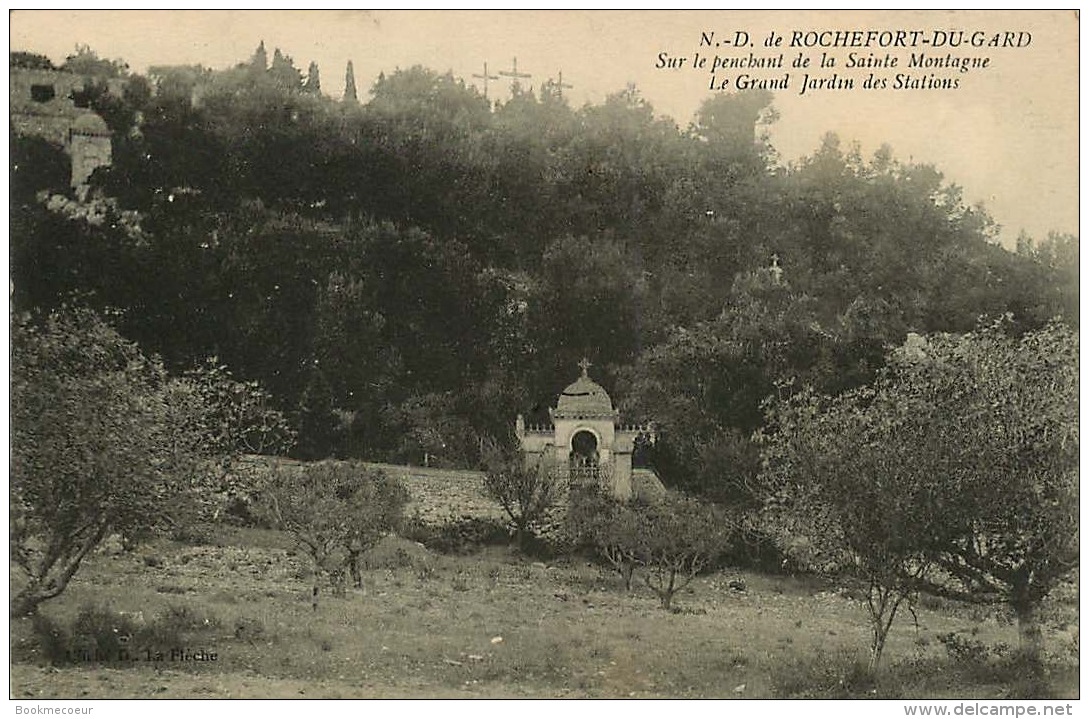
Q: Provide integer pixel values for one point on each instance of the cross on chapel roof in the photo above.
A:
(586, 365)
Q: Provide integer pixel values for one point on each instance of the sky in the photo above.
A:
(1008, 135)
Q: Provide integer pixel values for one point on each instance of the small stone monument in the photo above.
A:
(585, 441)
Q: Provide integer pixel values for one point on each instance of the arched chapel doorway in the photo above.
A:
(583, 460)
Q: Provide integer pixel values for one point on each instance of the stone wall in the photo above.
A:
(439, 495)
(435, 495)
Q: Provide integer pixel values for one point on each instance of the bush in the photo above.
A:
(100, 635)
(846, 676)
(97, 635)
(335, 511)
(249, 629)
(671, 540)
(395, 553)
(967, 650)
(195, 534)
(755, 549)
(52, 639)
(841, 676)
(175, 627)
(981, 663)
(608, 528)
(464, 535)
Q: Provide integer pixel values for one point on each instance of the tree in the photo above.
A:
(379, 502)
(673, 538)
(526, 493)
(588, 301)
(735, 128)
(609, 527)
(618, 167)
(676, 538)
(849, 495)
(316, 419)
(1012, 473)
(30, 61)
(35, 165)
(243, 420)
(1057, 274)
(334, 511)
(350, 94)
(283, 72)
(239, 419)
(313, 79)
(703, 384)
(259, 61)
(102, 442)
(955, 472)
(85, 61)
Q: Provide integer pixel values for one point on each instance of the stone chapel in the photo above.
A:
(586, 441)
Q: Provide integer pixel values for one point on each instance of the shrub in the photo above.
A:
(52, 638)
(459, 536)
(249, 629)
(175, 627)
(195, 534)
(968, 650)
(755, 548)
(335, 511)
(608, 527)
(96, 635)
(100, 635)
(820, 676)
(672, 539)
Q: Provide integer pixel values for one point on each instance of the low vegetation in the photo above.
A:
(492, 623)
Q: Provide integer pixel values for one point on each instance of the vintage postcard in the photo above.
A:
(544, 354)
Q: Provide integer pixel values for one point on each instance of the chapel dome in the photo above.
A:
(584, 398)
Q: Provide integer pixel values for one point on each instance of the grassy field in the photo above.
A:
(494, 624)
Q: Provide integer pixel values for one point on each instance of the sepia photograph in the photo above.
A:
(544, 354)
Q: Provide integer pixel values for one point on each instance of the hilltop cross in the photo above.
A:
(514, 74)
(485, 77)
(559, 85)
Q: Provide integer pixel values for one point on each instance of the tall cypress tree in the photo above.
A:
(349, 85)
(260, 58)
(313, 79)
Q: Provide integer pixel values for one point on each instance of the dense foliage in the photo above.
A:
(1012, 477)
(406, 273)
(102, 442)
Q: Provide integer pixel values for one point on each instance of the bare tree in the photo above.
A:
(525, 492)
